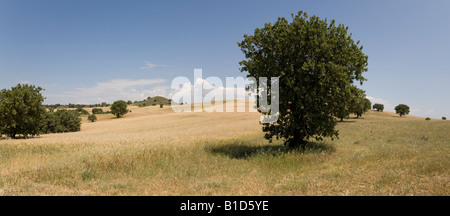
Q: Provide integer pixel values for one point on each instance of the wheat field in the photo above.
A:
(153, 151)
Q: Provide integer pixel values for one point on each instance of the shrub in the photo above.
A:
(427, 118)
(444, 118)
(92, 118)
(129, 102)
(161, 106)
(84, 112)
(153, 104)
(61, 121)
(97, 111)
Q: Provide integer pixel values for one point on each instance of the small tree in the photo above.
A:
(161, 106)
(362, 106)
(97, 111)
(427, 118)
(129, 102)
(402, 109)
(359, 104)
(378, 107)
(119, 108)
(82, 111)
(68, 121)
(444, 118)
(92, 118)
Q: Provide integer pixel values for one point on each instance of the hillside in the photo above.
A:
(157, 100)
(153, 151)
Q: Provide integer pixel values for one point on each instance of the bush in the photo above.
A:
(153, 104)
(84, 112)
(161, 106)
(428, 118)
(129, 102)
(97, 111)
(61, 121)
(92, 118)
(444, 118)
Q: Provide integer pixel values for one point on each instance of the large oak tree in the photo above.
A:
(316, 61)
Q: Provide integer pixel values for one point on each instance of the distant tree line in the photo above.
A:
(70, 105)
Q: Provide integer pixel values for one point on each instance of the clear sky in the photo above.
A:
(92, 51)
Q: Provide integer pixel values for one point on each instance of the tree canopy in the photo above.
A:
(21, 110)
(402, 109)
(61, 121)
(316, 62)
(119, 108)
(378, 107)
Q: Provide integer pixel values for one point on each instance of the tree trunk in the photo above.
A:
(342, 119)
(297, 141)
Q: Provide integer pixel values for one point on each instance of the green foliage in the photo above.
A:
(161, 105)
(356, 103)
(129, 102)
(444, 118)
(427, 118)
(97, 111)
(119, 108)
(150, 101)
(367, 104)
(61, 121)
(378, 107)
(21, 110)
(402, 109)
(360, 106)
(317, 63)
(82, 111)
(92, 118)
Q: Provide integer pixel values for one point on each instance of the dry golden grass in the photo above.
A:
(154, 151)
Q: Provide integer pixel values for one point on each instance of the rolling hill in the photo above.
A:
(154, 151)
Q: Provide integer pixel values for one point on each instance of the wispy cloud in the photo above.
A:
(109, 91)
(149, 66)
(239, 93)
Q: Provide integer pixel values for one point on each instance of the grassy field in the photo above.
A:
(154, 151)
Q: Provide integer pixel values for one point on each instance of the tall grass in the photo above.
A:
(154, 152)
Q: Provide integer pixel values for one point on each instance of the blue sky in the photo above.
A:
(91, 51)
